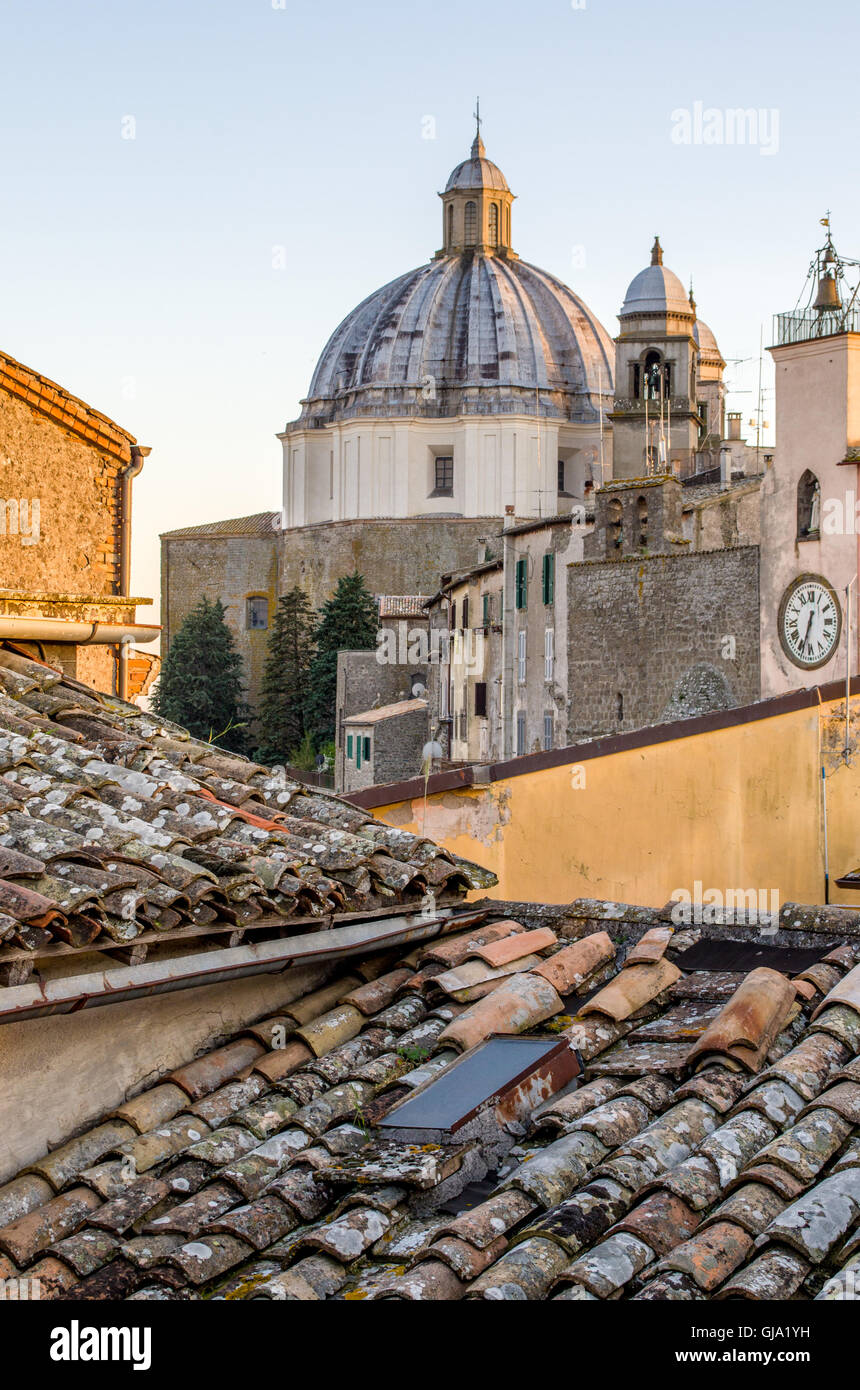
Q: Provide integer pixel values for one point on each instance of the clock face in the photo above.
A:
(810, 622)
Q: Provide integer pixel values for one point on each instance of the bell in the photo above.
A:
(828, 299)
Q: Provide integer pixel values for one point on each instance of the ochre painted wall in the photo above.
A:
(734, 808)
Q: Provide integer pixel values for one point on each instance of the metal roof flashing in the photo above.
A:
(496, 1084)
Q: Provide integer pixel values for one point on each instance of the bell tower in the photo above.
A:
(656, 424)
(810, 540)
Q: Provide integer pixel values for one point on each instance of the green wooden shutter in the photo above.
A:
(548, 585)
(349, 745)
(521, 584)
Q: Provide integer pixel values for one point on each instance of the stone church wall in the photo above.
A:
(232, 568)
(406, 556)
(662, 637)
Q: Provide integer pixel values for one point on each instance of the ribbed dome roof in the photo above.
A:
(656, 289)
(478, 172)
(484, 328)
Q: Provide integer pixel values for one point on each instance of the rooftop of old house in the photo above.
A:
(261, 524)
(584, 1102)
(122, 839)
(394, 711)
(55, 401)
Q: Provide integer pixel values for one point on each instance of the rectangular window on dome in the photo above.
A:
(443, 472)
(481, 699)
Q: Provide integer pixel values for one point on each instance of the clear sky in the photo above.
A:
(185, 280)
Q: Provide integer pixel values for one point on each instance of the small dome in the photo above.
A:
(705, 340)
(477, 172)
(656, 290)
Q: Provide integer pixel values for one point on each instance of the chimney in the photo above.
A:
(509, 517)
(735, 420)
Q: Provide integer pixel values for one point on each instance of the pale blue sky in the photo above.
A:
(139, 272)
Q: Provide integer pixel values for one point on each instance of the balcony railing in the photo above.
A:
(802, 326)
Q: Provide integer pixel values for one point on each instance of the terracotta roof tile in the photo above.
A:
(631, 989)
(262, 1173)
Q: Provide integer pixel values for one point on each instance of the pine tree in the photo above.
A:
(200, 683)
(348, 622)
(284, 691)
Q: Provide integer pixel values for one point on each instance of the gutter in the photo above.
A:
(25, 629)
(138, 454)
(75, 992)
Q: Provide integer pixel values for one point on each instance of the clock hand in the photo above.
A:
(806, 634)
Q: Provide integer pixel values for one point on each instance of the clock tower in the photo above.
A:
(809, 539)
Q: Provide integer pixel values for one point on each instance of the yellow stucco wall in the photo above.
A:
(734, 808)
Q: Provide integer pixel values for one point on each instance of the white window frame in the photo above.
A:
(549, 654)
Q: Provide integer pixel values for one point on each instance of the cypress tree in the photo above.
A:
(200, 683)
(349, 621)
(285, 687)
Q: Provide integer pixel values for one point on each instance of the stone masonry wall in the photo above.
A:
(662, 637)
(396, 746)
(232, 568)
(396, 557)
(364, 683)
(76, 488)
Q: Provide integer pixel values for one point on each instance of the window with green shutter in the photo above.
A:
(349, 745)
(548, 582)
(521, 584)
(486, 610)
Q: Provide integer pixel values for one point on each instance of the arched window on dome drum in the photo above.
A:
(808, 507)
(471, 223)
(494, 224)
(507, 226)
(450, 225)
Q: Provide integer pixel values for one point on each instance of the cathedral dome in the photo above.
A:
(476, 331)
(656, 290)
(468, 333)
